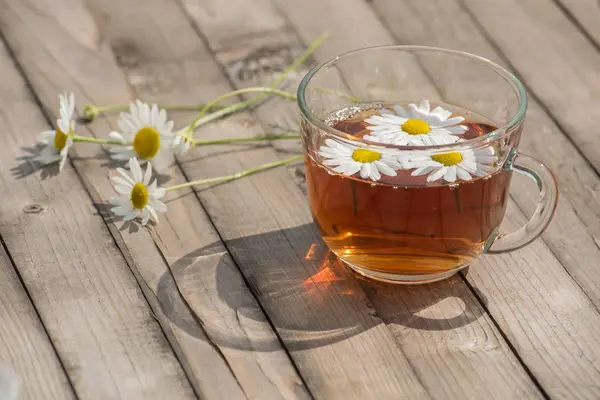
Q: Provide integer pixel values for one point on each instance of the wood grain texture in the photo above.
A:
(563, 73)
(25, 349)
(204, 272)
(570, 235)
(429, 323)
(586, 13)
(86, 296)
(248, 362)
(340, 349)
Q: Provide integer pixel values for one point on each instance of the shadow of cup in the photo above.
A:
(311, 298)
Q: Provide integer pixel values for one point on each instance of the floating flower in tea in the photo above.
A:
(349, 159)
(449, 166)
(419, 126)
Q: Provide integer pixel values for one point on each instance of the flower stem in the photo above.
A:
(268, 136)
(85, 139)
(237, 106)
(238, 175)
(270, 89)
(91, 112)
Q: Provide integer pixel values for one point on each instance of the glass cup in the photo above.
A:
(409, 153)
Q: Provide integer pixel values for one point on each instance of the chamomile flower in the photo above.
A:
(181, 144)
(138, 197)
(370, 161)
(452, 165)
(419, 126)
(58, 142)
(146, 135)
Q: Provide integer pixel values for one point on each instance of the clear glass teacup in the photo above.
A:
(409, 154)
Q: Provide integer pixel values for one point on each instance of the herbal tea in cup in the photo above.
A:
(413, 191)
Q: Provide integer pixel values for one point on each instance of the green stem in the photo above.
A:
(238, 175)
(276, 81)
(246, 139)
(91, 112)
(263, 90)
(86, 139)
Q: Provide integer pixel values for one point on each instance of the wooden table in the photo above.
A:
(232, 295)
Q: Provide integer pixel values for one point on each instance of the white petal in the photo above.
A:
(414, 112)
(63, 125)
(168, 128)
(152, 186)
(162, 160)
(122, 210)
(435, 175)
(440, 113)
(120, 200)
(63, 160)
(452, 121)
(400, 111)
(145, 216)
(152, 212)
(122, 189)
(158, 193)
(47, 137)
(118, 180)
(161, 119)
(125, 175)
(148, 174)
(153, 115)
(462, 174)
(121, 156)
(158, 205)
(468, 165)
(350, 168)
(384, 168)
(424, 106)
(131, 215)
(136, 171)
(116, 136)
(423, 170)
(450, 175)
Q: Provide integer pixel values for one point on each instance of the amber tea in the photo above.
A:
(412, 191)
(404, 224)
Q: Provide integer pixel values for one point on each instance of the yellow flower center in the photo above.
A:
(60, 140)
(365, 156)
(146, 142)
(416, 127)
(448, 159)
(139, 196)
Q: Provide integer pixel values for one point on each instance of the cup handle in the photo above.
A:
(546, 183)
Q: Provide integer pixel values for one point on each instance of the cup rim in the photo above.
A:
(494, 135)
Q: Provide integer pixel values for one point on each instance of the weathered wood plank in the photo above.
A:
(568, 237)
(25, 348)
(586, 13)
(563, 73)
(340, 349)
(224, 356)
(428, 322)
(85, 294)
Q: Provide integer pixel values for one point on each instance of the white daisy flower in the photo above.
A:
(371, 161)
(138, 197)
(147, 135)
(181, 144)
(460, 164)
(59, 141)
(419, 126)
